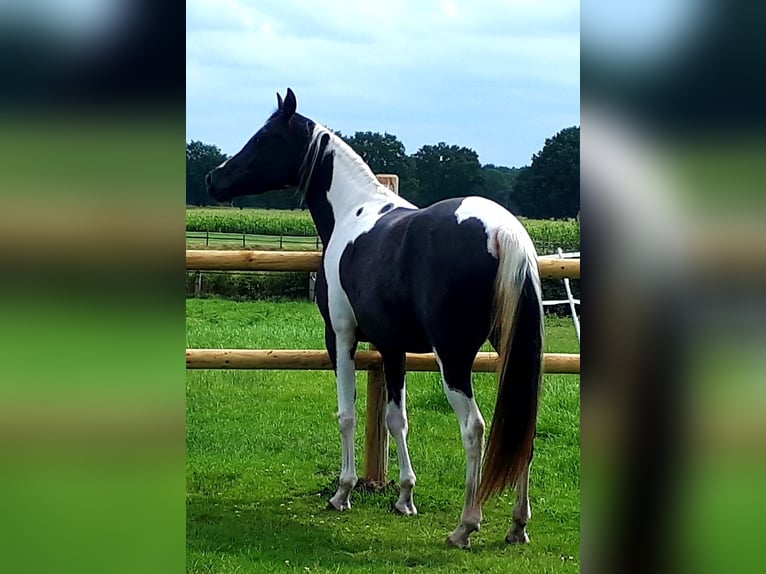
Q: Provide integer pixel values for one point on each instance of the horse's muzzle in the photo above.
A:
(213, 190)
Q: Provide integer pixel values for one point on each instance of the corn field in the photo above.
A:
(548, 235)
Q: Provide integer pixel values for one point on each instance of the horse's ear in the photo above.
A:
(288, 108)
(279, 102)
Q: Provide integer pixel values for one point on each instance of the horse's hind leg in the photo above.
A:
(456, 379)
(396, 420)
(341, 349)
(522, 511)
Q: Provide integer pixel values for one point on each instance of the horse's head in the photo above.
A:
(270, 160)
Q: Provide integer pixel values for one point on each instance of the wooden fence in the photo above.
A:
(287, 359)
(376, 441)
(211, 260)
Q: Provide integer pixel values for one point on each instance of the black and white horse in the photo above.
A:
(443, 278)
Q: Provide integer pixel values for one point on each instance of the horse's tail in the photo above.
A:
(518, 337)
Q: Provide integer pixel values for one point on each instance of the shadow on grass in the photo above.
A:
(270, 533)
(263, 528)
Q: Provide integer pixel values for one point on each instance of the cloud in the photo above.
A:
(368, 65)
(450, 9)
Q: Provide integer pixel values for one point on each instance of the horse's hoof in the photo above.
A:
(339, 506)
(405, 509)
(458, 542)
(517, 538)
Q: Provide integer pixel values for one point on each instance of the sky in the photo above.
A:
(496, 76)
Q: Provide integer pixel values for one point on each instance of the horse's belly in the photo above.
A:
(392, 328)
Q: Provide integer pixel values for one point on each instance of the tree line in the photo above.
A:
(547, 188)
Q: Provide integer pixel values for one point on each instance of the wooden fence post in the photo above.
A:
(376, 434)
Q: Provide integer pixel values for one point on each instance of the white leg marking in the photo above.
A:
(472, 432)
(396, 421)
(347, 422)
(522, 511)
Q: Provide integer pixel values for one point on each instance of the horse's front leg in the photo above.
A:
(341, 347)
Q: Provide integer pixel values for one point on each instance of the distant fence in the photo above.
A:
(285, 242)
(219, 238)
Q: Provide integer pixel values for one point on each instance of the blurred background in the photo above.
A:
(91, 327)
(91, 377)
(672, 188)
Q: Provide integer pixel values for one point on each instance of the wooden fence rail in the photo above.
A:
(562, 363)
(211, 260)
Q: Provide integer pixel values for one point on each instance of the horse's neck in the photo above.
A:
(353, 183)
(339, 191)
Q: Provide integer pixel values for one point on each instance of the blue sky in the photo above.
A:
(496, 76)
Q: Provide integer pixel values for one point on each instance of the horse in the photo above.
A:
(442, 279)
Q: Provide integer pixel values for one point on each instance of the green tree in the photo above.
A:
(200, 159)
(446, 171)
(497, 184)
(550, 186)
(384, 153)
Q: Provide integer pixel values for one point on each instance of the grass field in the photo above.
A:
(263, 456)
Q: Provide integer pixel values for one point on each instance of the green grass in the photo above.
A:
(263, 455)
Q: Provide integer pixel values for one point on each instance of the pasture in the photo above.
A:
(263, 454)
